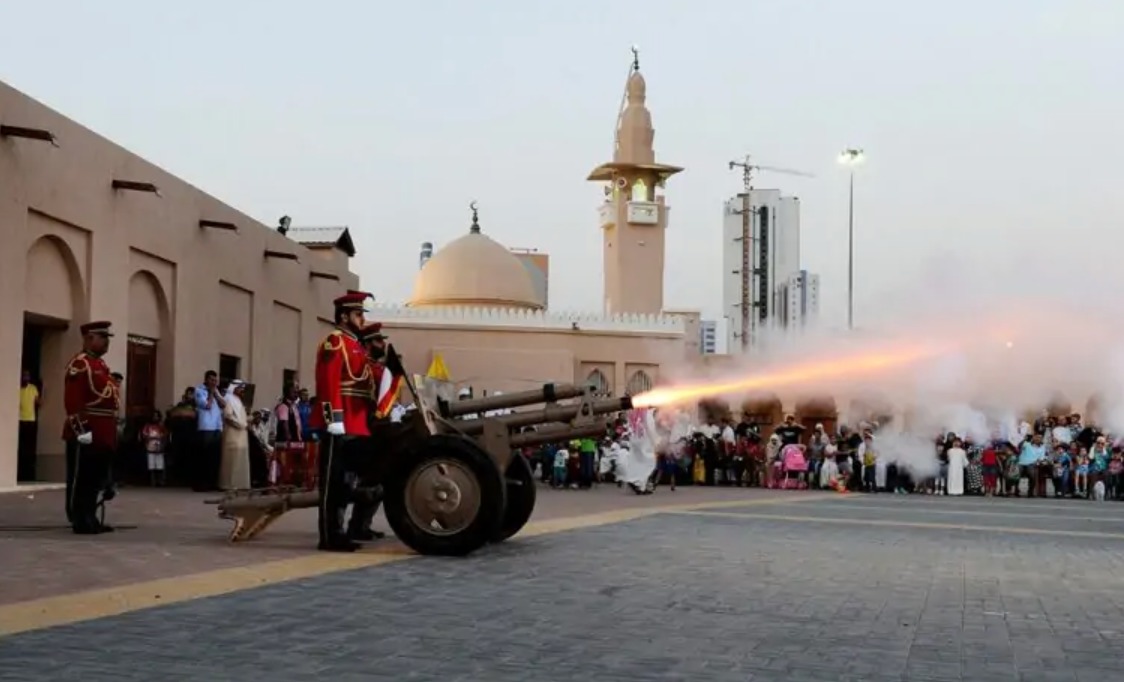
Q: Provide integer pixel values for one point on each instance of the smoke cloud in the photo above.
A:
(1015, 334)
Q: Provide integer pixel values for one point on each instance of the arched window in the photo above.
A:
(639, 383)
(599, 382)
(640, 191)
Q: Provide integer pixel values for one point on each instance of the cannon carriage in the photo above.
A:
(451, 479)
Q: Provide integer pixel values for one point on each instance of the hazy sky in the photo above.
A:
(988, 124)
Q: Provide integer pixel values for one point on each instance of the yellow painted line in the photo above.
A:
(536, 528)
(621, 515)
(978, 512)
(906, 524)
(65, 609)
(73, 608)
(31, 488)
(793, 497)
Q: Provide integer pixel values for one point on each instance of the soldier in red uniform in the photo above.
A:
(345, 386)
(91, 400)
(385, 387)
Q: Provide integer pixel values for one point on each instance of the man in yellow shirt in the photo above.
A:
(29, 428)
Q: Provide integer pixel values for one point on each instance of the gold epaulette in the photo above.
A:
(77, 365)
(332, 342)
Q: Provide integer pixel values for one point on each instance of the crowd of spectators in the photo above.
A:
(1055, 456)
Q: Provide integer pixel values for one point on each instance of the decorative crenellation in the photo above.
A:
(536, 319)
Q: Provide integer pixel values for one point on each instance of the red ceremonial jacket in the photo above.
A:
(344, 384)
(91, 400)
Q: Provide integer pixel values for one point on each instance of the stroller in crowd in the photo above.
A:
(790, 468)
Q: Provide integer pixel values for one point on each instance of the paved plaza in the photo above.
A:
(710, 585)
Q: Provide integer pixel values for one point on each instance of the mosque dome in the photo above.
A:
(475, 270)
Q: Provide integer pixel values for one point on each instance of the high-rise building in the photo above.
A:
(800, 300)
(708, 337)
(760, 251)
(425, 255)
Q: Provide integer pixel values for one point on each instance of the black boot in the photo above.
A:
(339, 543)
(366, 534)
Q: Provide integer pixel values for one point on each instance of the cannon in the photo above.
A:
(451, 481)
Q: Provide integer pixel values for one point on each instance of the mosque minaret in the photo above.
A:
(633, 217)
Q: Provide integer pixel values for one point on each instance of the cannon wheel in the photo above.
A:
(447, 498)
(521, 493)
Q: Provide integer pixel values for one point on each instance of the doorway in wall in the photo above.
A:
(140, 378)
(140, 403)
(31, 360)
(46, 369)
(229, 368)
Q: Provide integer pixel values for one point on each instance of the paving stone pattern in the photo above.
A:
(714, 598)
(173, 533)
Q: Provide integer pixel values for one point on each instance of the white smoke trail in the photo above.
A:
(1027, 330)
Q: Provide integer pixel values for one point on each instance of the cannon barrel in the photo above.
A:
(549, 393)
(557, 435)
(547, 415)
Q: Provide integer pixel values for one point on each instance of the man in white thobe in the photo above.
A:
(957, 462)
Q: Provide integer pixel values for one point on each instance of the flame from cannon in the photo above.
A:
(792, 375)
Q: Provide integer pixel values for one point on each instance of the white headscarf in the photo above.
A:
(235, 409)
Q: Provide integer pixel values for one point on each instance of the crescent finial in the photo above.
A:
(475, 217)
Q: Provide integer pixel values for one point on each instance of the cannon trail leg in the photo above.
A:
(254, 511)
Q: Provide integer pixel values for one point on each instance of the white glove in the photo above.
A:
(85, 438)
(335, 429)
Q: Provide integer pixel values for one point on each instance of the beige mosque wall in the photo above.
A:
(519, 358)
(75, 249)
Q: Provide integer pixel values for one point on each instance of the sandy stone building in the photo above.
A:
(91, 231)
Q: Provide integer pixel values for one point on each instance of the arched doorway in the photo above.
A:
(147, 360)
(817, 410)
(764, 411)
(639, 383)
(1094, 409)
(1059, 406)
(872, 408)
(713, 411)
(54, 307)
(599, 382)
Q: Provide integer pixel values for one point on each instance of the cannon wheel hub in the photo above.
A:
(443, 496)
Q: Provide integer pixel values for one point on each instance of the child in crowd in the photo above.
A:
(1115, 473)
(561, 459)
(1012, 475)
(574, 464)
(1063, 465)
(989, 465)
(154, 438)
(870, 464)
(1081, 479)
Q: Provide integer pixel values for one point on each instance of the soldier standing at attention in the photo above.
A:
(385, 387)
(344, 385)
(91, 400)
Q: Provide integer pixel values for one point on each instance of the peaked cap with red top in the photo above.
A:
(101, 327)
(352, 300)
(372, 332)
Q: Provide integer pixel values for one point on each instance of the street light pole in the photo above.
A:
(851, 158)
(851, 254)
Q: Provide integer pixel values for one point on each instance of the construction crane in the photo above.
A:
(747, 212)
